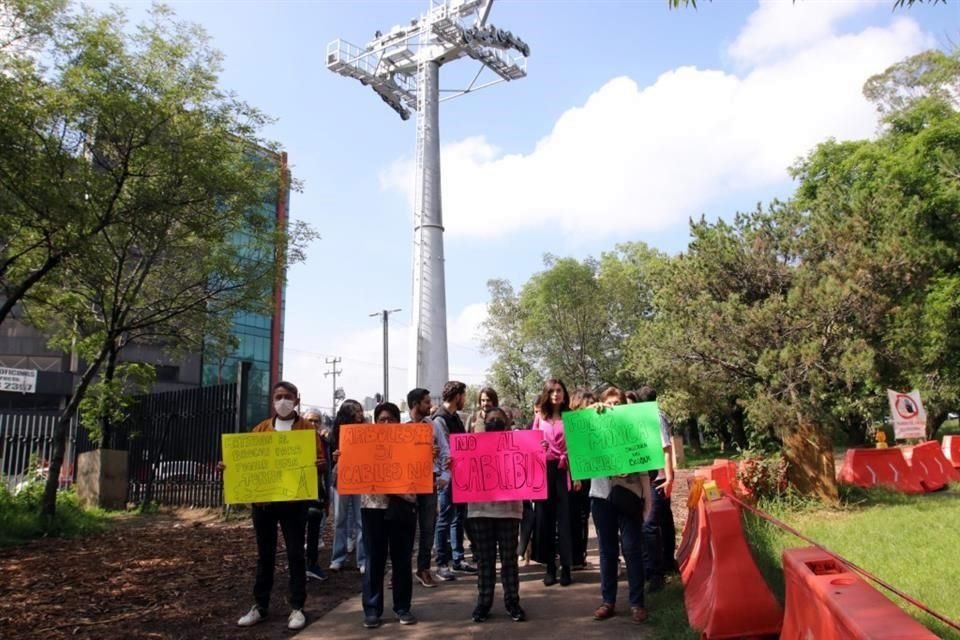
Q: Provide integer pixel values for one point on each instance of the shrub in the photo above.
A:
(20, 518)
(763, 476)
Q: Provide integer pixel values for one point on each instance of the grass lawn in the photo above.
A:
(912, 542)
(20, 519)
(668, 617)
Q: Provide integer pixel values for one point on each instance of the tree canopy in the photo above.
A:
(785, 324)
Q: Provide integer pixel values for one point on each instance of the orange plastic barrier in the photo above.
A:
(951, 450)
(725, 595)
(691, 527)
(932, 467)
(827, 602)
(724, 472)
(873, 467)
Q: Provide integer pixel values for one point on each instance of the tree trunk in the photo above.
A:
(738, 423)
(692, 434)
(811, 469)
(105, 425)
(935, 421)
(48, 505)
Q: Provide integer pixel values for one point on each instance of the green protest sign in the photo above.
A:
(622, 439)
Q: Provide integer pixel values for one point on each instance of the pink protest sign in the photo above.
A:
(502, 465)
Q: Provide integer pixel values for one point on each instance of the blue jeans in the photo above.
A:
(347, 522)
(614, 530)
(449, 542)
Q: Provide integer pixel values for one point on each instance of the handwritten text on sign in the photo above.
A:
(622, 439)
(269, 467)
(505, 465)
(385, 458)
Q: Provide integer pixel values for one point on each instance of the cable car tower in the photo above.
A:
(402, 66)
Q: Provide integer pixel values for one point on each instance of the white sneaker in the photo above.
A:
(251, 618)
(351, 545)
(362, 569)
(297, 620)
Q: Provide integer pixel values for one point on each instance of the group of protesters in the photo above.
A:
(631, 513)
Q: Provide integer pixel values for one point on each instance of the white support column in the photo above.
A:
(429, 325)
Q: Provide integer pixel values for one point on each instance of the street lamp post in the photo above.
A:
(385, 318)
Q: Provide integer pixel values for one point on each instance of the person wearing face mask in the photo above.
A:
(290, 516)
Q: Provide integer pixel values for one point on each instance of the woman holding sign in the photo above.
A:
(553, 514)
(619, 505)
(494, 525)
(389, 526)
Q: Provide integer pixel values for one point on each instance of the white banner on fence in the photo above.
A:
(909, 416)
(18, 380)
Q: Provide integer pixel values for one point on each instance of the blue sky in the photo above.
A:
(632, 119)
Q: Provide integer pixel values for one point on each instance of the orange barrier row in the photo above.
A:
(879, 467)
(724, 593)
(828, 602)
(951, 450)
(931, 466)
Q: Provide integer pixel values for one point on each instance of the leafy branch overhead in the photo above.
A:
(137, 198)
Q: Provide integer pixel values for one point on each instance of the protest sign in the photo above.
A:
(622, 439)
(501, 465)
(909, 416)
(385, 458)
(273, 466)
(18, 380)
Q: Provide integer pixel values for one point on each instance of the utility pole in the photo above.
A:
(385, 317)
(334, 372)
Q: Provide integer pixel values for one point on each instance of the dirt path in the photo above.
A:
(172, 575)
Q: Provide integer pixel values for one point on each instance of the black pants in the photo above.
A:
(580, 522)
(316, 512)
(660, 536)
(527, 525)
(553, 521)
(490, 534)
(292, 518)
(380, 537)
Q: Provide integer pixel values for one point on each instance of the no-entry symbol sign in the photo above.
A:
(909, 417)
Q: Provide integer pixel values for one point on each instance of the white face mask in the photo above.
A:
(284, 407)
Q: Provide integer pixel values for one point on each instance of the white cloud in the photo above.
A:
(362, 353)
(779, 26)
(645, 158)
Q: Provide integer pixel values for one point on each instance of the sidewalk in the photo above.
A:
(444, 612)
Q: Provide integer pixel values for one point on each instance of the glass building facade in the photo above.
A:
(259, 336)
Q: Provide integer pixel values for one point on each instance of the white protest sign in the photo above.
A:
(18, 380)
(909, 417)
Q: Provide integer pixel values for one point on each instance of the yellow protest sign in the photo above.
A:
(274, 466)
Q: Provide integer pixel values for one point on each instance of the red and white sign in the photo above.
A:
(909, 417)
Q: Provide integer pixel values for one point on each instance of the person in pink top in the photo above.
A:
(552, 515)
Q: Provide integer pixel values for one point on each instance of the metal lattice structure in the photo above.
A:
(403, 68)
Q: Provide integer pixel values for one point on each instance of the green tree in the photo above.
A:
(165, 172)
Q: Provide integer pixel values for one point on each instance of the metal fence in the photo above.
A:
(173, 445)
(172, 440)
(26, 446)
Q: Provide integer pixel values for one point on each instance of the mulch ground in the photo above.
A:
(177, 575)
(183, 574)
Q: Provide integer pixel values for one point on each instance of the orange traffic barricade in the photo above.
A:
(932, 467)
(724, 594)
(951, 450)
(826, 601)
(879, 467)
